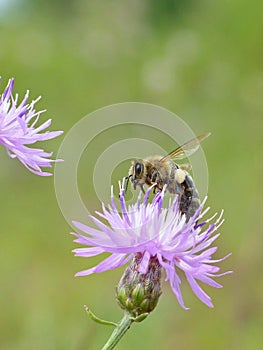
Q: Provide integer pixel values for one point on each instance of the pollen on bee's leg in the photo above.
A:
(180, 176)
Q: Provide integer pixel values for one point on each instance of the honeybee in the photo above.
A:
(162, 171)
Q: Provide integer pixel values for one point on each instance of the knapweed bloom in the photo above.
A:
(151, 234)
(18, 131)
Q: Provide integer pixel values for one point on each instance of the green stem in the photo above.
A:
(118, 332)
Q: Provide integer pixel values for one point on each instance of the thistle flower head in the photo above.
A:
(152, 231)
(18, 130)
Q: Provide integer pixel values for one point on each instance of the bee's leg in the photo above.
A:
(142, 189)
(154, 175)
(178, 189)
(185, 201)
(156, 180)
(157, 189)
(126, 183)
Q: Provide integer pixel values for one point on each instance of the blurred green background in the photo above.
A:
(202, 60)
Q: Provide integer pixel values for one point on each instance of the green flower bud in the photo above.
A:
(138, 293)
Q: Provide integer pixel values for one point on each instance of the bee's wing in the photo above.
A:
(187, 149)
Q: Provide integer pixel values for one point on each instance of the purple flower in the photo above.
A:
(154, 231)
(18, 129)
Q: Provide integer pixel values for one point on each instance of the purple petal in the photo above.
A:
(124, 209)
(88, 252)
(144, 264)
(174, 279)
(209, 281)
(110, 263)
(199, 291)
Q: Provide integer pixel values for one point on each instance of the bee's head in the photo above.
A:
(136, 173)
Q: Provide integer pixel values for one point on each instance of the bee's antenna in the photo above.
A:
(127, 178)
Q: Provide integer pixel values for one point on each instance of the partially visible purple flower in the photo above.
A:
(18, 129)
(151, 230)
